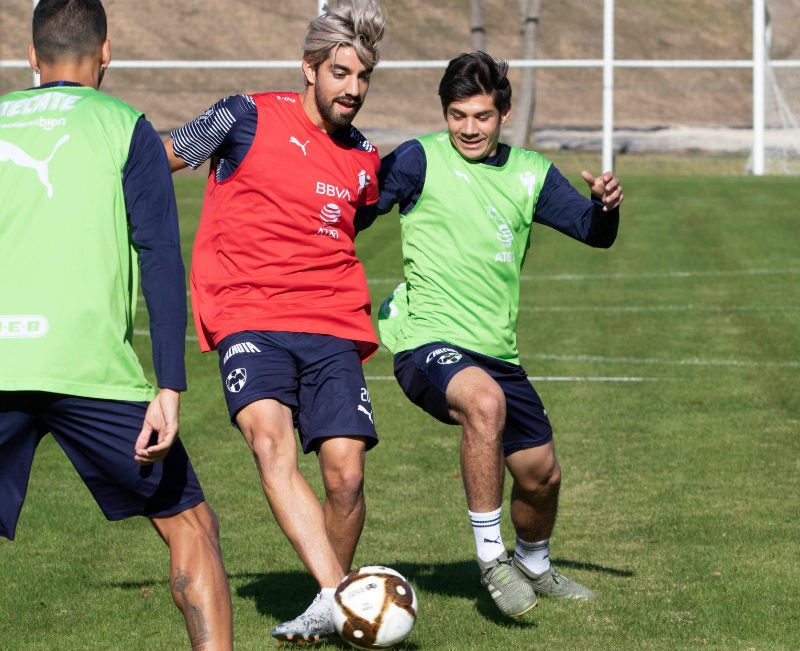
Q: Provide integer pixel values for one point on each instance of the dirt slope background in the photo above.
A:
(405, 101)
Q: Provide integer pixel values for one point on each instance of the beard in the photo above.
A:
(330, 112)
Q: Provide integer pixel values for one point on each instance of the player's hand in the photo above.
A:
(160, 428)
(605, 188)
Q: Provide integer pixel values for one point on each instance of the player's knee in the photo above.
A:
(210, 522)
(487, 408)
(271, 452)
(553, 475)
(196, 524)
(263, 448)
(344, 484)
(349, 481)
(544, 473)
(534, 472)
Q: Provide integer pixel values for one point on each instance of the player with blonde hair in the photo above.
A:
(278, 291)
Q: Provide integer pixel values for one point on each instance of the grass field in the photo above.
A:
(670, 367)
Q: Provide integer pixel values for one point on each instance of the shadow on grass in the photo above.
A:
(283, 595)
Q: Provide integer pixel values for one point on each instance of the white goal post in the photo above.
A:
(761, 65)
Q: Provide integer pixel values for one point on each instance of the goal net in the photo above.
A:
(781, 126)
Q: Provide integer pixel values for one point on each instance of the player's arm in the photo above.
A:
(175, 162)
(153, 217)
(605, 188)
(400, 181)
(224, 131)
(401, 177)
(364, 217)
(562, 207)
(159, 429)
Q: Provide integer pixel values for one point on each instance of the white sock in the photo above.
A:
(488, 539)
(326, 595)
(534, 555)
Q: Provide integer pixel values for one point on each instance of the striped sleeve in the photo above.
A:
(209, 134)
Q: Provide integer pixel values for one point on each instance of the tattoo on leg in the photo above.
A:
(195, 622)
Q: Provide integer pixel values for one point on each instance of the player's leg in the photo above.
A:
(531, 459)
(341, 461)
(261, 383)
(267, 426)
(476, 402)
(454, 386)
(268, 429)
(534, 504)
(19, 436)
(335, 420)
(98, 436)
(197, 578)
(534, 493)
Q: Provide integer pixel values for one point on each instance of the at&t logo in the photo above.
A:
(330, 215)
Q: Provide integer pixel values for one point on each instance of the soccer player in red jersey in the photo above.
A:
(278, 291)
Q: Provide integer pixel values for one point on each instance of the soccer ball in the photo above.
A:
(374, 607)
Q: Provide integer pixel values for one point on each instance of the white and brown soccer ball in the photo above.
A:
(375, 607)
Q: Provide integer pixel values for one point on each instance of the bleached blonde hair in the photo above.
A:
(349, 23)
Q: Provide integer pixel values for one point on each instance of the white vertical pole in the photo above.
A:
(759, 70)
(35, 74)
(608, 85)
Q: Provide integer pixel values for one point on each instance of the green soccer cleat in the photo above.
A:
(553, 584)
(510, 590)
(309, 627)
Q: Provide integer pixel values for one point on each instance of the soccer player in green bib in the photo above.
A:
(467, 203)
(88, 203)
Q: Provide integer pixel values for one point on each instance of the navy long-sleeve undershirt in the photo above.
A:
(153, 216)
(559, 205)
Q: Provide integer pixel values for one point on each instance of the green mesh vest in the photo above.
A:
(464, 243)
(70, 273)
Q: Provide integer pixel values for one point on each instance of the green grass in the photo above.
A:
(678, 437)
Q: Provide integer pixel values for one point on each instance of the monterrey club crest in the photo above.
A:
(236, 380)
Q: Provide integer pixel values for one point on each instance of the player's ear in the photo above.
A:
(504, 116)
(309, 73)
(32, 59)
(105, 53)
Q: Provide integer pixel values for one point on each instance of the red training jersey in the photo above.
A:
(274, 249)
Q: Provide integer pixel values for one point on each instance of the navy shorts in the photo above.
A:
(319, 377)
(98, 437)
(425, 372)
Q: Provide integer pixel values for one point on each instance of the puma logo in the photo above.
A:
(461, 175)
(367, 412)
(302, 145)
(10, 152)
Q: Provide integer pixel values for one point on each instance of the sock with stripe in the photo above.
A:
(488, 539)
(534, 555)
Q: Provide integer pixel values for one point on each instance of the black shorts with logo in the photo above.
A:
(319, 377)
(425, 372)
